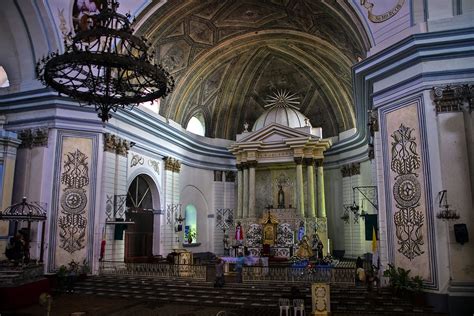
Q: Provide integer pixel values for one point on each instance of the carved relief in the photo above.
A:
(115, 144)
(73, 201)
(452, 98)
(33, 138)
(350, 170)
(407, 192)
(172, 164)
(155, 165)
(136, 160)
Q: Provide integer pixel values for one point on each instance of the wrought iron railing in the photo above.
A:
(157, 270)
(303, 275)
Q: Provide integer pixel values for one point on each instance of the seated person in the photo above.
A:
(360, 276)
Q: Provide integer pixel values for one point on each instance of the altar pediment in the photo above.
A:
(277, 133)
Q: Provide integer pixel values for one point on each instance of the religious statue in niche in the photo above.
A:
(301, 231)
(270, 224)
(239, 233)
(281, 182)
(281, 197)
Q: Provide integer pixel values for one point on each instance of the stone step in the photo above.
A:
(344, 299)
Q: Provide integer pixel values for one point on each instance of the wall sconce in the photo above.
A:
(369, 193)
(445, 212)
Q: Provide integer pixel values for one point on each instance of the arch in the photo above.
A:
(317, 58)
(4, 82)
(153, 182)
(142, 238)
(197, 125)
(31, 26)
(190, 226)
(192, 195)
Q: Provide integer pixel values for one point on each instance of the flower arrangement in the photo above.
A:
(191, 235)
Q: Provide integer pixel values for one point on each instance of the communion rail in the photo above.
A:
(339, 275)
(250, 274)
(158, 270)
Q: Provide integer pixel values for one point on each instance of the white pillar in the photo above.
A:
(251, 187)
(239, 191)
(299, 185)
(321, 197)
(311, 212)
(245, 195)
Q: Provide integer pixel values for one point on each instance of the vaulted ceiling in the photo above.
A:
(228, 56)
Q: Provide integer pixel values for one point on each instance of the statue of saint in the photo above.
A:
(301, 231)
(239, 232)
(304, 249)
(281, 197)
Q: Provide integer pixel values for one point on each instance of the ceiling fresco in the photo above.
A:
(228, 56)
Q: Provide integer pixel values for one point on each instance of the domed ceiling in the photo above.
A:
(228, 56)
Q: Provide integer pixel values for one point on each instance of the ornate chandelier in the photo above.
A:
(105, 65)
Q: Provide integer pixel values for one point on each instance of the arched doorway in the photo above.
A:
(139, 237)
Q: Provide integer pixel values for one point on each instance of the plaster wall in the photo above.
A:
(339, 192)
(455, 179)
(197, 189)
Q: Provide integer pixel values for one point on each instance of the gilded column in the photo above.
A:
(245, 193)
(239, 190)
(311, 211)
(251, 186)
(299, 185)
(321, 197)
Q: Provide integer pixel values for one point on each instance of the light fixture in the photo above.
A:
(368, 193)
(445, 212)
(106, 66)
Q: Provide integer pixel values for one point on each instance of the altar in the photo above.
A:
(280, 193)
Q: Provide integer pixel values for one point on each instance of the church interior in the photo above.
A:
(273, 146)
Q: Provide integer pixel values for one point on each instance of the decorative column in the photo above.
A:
(299, 185)
(321, 197)
(322, 220)
(311, 211)
(251, 186)
(245, 195)
(239, 190)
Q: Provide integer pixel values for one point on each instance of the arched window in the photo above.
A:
(196, 125)
(190, 229)
(3, 78)
(139, 195)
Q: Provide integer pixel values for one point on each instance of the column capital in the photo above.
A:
(244, 165)
(308, 161)
(252, 163)
(319, 162)
(298, 160)
(239, 166)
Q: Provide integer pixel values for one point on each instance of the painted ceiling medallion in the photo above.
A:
(282, 98)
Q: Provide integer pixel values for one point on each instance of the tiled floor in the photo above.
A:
(92, 305)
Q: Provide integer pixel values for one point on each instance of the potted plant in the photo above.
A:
(404, 285)
(191, 235)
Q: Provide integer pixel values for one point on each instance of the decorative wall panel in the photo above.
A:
(74, 200)
(407, 190)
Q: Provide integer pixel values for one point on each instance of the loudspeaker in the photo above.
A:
(461, 234)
